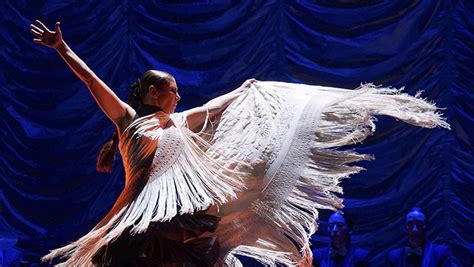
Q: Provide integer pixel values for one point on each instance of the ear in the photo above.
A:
(152, 91)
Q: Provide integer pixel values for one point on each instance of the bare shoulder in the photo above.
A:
(195, 117)
(126, 120)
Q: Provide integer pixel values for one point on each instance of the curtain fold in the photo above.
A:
(51, 128)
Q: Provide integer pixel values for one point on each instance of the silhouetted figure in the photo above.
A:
(419, 251)
(340, 252)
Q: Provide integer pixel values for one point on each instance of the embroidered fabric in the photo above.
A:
(167, 153)
(268, 163)
(274, 217)
(167, 174)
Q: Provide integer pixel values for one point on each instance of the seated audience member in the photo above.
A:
(340, 252)
(419, 251)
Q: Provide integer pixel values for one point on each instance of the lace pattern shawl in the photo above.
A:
(269, 162)
(290, 132)
(167, 173)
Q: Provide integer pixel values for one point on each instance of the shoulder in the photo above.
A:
(441, 251)
(319, 253)
(441, 248)
(361, 253)
(123, 123)
(395, 253)
(179, 118)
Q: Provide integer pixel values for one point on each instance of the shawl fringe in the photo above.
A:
(306, 178)
(346, 120)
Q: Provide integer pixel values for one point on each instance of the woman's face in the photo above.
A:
(167, 97)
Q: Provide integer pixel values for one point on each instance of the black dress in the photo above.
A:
(178, 242)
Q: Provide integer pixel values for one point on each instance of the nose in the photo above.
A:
(335, 229)
(178, 97)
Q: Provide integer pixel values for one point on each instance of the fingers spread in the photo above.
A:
(36, 28)
(35, 33)
(57, 28)
(41, 25)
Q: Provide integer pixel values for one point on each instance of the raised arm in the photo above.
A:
(195, 117)
(117, 110)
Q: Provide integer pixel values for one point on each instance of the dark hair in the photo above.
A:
(136, 97)
(419, 210)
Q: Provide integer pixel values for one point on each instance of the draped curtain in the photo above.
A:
(51, 128)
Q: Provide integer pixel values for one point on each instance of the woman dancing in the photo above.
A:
(243, 174)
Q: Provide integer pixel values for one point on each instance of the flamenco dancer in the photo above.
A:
(245, 174)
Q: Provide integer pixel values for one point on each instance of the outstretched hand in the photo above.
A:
(46, 37)
(246, 85)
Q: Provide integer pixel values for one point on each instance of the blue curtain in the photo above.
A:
(51, 128)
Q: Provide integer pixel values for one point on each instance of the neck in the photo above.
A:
(415, 241)
(146, 109)
(148, 101)
(338, 244)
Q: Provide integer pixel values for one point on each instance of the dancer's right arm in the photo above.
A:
(117, 110)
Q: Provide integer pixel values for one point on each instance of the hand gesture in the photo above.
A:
(246, 85)
(46, 37)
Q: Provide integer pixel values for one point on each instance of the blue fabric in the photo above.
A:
(51, 129)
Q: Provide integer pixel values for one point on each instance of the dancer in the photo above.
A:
(156, 92)
(253, 166)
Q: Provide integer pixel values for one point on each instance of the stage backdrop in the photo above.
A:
(51, 128)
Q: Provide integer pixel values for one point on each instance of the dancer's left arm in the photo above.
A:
(195, 117)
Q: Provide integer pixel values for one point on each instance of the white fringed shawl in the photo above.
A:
(269, 163)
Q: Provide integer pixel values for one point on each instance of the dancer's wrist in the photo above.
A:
(60, 46)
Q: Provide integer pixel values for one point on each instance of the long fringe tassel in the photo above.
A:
(193, 184)
(286, 226)
(348, 120)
